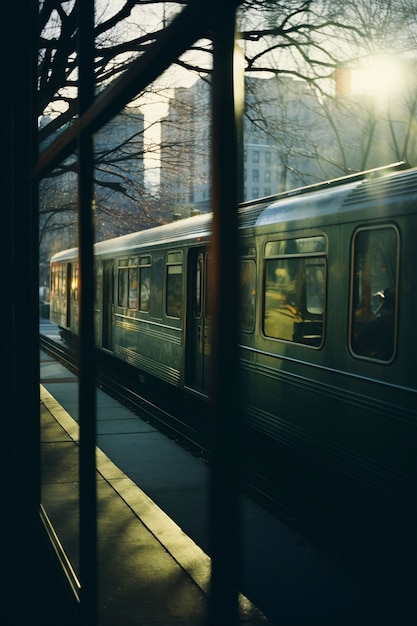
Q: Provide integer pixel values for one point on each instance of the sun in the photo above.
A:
(378, 76)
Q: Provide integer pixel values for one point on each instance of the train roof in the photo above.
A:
(332, 198)
(372, 192)
(196, 226)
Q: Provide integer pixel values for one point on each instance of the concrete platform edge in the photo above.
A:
(189, 556)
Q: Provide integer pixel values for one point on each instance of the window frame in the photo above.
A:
(352, 290)
(279, 255)
(172, 262)
(250, 262)
(145, 264)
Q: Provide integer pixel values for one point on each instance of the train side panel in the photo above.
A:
(149, 311)
(328, 330)
(306, 383)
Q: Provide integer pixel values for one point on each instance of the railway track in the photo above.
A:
(120, 385)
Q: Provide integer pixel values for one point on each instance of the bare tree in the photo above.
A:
(306, 40)
(323, 44)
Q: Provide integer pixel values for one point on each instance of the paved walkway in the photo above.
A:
(150, 572)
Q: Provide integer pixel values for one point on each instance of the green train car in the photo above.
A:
(328, 341)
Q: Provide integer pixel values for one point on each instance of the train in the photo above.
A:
(328, 337)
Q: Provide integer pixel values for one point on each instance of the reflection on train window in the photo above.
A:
(174, 284)
(303, 245)
(133, 287)
(134, 283)
(207, 309)
(59, 282)
(144, 283)
(122, 283)
(63, 288)
(54, 281)
(374, 289)
(294, 290)
(247, 294)
(198, 287)
(74, 281)
(98, 273)
(59, 287)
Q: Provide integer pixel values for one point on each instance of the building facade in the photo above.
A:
(276, 110)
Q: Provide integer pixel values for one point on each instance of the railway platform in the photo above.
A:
(152, 540)
(150, 571)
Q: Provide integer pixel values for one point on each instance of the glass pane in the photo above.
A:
(122, 287)
(307, 245)
(374, 293)
(198, 286)
(57, 69)
(133, 288)
(294, 300)
(248, 293)
(318, 104)
(59, 320)
(174, 290)
(145, 288)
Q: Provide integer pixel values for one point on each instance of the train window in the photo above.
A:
(247, 294)
(207, 308)
(63, 281)
(294, 290)
(98, 272)
(374, 290)
(174, 257)
(122, 283)
(174, 284)
(55, 280)
(133, 287)
(198, 287)
(305, 245)
(74, 281)
(144, 283)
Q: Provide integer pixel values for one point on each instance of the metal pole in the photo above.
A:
(224, 294)
(87, 367)
(20, 375)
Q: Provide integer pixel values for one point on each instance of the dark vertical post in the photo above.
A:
(20, 354)
(87, 369)
(224, 294)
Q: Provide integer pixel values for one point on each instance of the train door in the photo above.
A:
(197, 374)
(108, 305)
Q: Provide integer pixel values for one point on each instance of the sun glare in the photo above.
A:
(377, 76)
